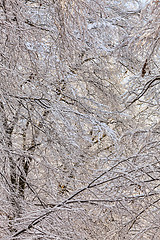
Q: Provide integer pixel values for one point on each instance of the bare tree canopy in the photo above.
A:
(79, 119)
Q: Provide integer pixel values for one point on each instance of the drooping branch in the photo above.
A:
(146, 87)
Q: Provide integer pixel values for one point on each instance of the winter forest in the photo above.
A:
(79, 120)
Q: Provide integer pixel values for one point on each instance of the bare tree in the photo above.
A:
(79, 120)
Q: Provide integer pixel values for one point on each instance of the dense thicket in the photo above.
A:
(79, 120)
